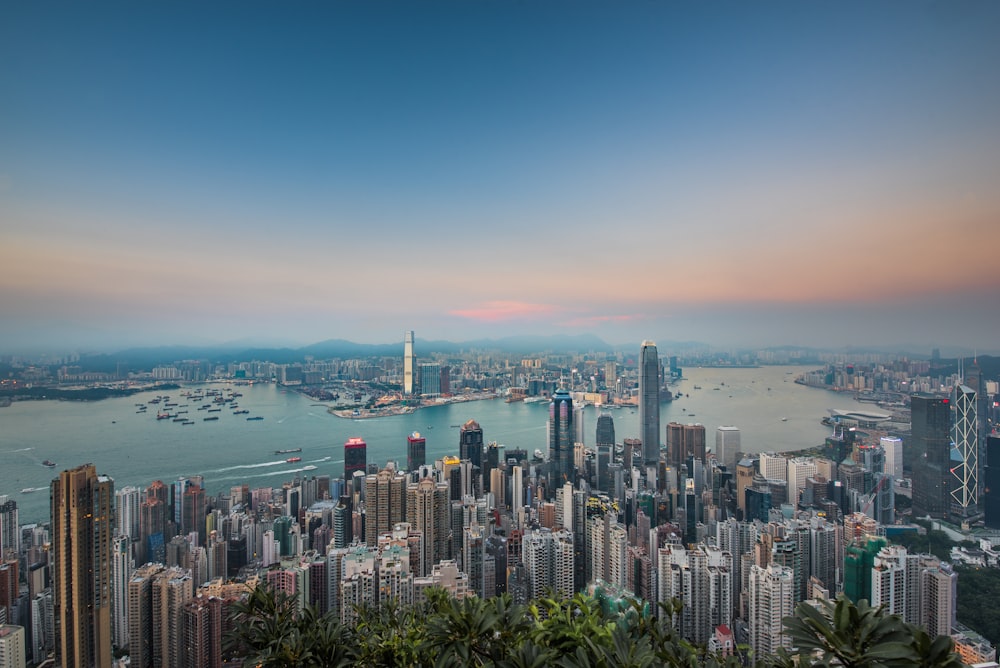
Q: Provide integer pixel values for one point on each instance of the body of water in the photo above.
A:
(135, 448)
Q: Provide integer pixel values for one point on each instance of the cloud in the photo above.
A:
(592, 320)
(503, 311)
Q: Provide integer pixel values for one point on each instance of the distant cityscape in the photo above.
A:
(148, 576)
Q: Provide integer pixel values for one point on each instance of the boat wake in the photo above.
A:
(239, 467)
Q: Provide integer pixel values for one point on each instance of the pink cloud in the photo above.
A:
(500, 311)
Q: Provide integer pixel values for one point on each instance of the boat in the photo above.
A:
(208, 419)
(784, 419)
(27, 490)
(539, 455)
(292, 460)
(49, 463)
(241, 412)
(187, 423)
(289, 451)
(255, 417)
(310, 467)
(179, 419)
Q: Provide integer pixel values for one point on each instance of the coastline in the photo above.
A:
(396, 409)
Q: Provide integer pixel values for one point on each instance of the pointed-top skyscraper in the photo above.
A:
(649, 403)
(561, 441)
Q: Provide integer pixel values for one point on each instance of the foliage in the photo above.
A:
(978, 592)
(861, 636)
(497, 633)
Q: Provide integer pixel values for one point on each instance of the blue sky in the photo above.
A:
(800, 173)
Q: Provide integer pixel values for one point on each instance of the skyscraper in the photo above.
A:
(929, 454)
(385, 501)
(965, 436)
(561, 441)
(355, 457)
(727, 444)
(416, 451)
(771, 593)
(605, 430)
(470, 443)
(649, 403)
(991, 484)
(409, 362)
(82, 530)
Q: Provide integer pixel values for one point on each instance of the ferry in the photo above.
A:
(292, 460)
(286, 452)
(49, 463)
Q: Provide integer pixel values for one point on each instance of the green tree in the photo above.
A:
(861, 636)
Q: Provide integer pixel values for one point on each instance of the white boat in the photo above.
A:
(310, 467)
(539, 455)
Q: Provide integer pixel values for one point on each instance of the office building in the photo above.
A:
(409, 363)
(991, 486)
(965, 453)
(355, 457)
(470, 443)
(416, 451)
(605, 430)
(561, 469)
(928, 454)
(893, 449)
(430, 379)
(649, 403)
(727, 446)
(82, 531)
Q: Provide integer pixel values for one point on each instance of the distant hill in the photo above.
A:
(147, 358)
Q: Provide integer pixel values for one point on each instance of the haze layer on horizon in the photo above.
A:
(785, 173)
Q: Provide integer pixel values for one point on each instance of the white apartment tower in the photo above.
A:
(893, 448)
(771, 593)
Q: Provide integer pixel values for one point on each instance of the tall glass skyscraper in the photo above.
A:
(649, 403)
(409, 361)
(929, 454)
(965, 455)
(561, 441)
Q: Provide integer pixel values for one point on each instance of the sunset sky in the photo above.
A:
(734, 173)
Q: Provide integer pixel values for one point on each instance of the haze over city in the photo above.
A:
(730, 173)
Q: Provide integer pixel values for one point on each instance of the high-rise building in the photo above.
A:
(416, 451)
(605, 430)
(965, 452)
(470, 443)
(561, 441)
(409, 363)
(991, 484)
(727, 445)
(430, 379)
(82, 531)
(649, 403)
(893, 449)
(771, 593)
(12, 646)
(385, 503)
(193, 518)
(10, 531)
(548, 558)
(928, 453)
(355, 457)
(427, 510)
(122, 567)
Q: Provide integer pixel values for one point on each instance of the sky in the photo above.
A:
(778, 173)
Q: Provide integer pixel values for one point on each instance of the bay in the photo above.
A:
(135, 449)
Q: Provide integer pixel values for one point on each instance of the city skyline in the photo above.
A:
(777, 175)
